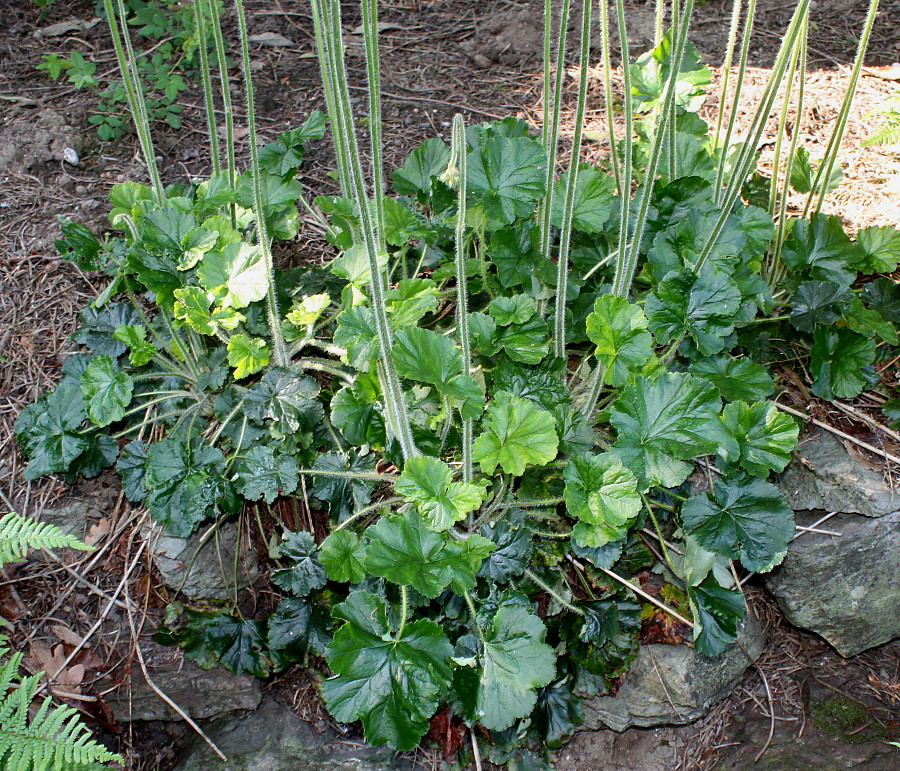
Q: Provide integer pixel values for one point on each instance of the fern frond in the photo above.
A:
(54, 739)
(888, 134)
(19, 534)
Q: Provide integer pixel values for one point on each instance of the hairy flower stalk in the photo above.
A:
(747, 156)
(624, 179)
(626, 264)
(326, 15)
(551, 116)
(202, 47)
(739, 82)
(733, 27)
(225, 91)
(823, 173)
(274, 317)
(607, 92)
(134, 91)
(562, 272)
(456, 177)
(373, 73)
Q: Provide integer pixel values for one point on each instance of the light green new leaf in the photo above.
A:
(195, 244)
(306, 312)
(404, 551)
(765, 435)
(106, 390)
(237, 275)
(410, 301)
(602, 493)
(841, 363)
(735, 378)
(516, 434)
(263, 474)
(511, 310)
(343, 556)
(392, 685)
(140, 350)
(428, 483)
(703, 307)
(506, 176)
(304, 572)
(514, 661)
(748, 519)
(670, 418)
(247, 356)
(192, 306)
(619, 330)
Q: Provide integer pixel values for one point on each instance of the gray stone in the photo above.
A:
(673, 684)
(844, 588)
(637, 749)
(272, 739)
(207, 570)
(202, 694)
(72, 518)
(825, 476)
(40, 139)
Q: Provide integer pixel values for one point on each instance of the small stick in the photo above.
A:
(837, 432)
(871, 422)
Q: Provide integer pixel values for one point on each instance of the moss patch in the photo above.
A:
(847, 719)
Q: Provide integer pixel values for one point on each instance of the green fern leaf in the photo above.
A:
(19, 534)
(886, 135)
(53, 740)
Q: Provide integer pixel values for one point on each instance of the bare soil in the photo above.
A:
(477, 57)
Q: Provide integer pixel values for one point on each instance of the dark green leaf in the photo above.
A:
(344, 495)
(593, 200)
(356, 332)
(748, 520)
(298, 626)
(702, 306)
(605, 640)
(393, 684)
(735, 378)
(511, 310)
(822, 250)
(869, 322)
(841, 363)
(717, 612)
(305, 573)
(883, 295)
(506, 177)
(263, 474)
(513, 549)
(220, 638)
(803, 173)
(818, 302)
(358, 418)
(98, 327)
(765, 435)
(79, 245)
(284, 400)
(50, 433)
(557, 713)
(131, 466)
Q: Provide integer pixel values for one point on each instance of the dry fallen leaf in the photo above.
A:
(98, 531)
(66, 635)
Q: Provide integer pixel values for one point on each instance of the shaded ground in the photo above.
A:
(480, 57)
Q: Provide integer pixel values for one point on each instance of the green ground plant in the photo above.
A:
(504, 387)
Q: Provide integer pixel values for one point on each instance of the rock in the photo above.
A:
(202, 694)
(825, 476)
(637, 749)
(673, 684)
(41, 139)
(272, 739)
(207, 571)
(72, 518)
(845, 587)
